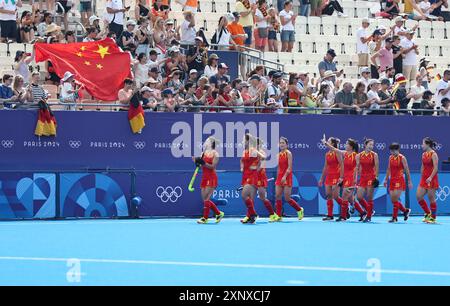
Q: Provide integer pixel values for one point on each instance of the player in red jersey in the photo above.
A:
(367, 165)
(208, 162)
(333, 170)
(398, 165)
(284, 181)
(429, 181)
(348, 180)
(262, 184)
(250, 163)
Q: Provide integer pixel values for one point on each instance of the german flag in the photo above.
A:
(136, 114)
(46, 123)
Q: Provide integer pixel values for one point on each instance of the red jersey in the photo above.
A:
(333, 171)
(427, 169)
(262, 178)
(209, 177)
(349, 169)
(367, 164)
(397, 179)
(283, 165)
(250, 161)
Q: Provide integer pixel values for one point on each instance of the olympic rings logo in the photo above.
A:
(443, 193)
(74, 144)
(321, 146)
(139, 145)
(380, 146)
(7, 144)
(169, 194)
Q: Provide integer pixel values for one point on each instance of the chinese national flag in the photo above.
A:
(101, 67)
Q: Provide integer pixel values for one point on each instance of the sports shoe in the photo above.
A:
(274, 218)
(202, 221)
(362, 217)
(340, 219)
(301, 214)
(220, 216)
(393, 220)
(406, 214)
(245, 220)
(328, 218)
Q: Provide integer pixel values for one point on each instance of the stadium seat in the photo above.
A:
(321, 44)
(434, 48)
(206, 6)
(342, 27)
(361, 9)
(223, 7)
(314, 25)
(285, 57)
(438, 29)
(271, 56)
(349, 8)
(301, 25)
(336, 43)
(425, 29)
(328, 25)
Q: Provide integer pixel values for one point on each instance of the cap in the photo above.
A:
(193, 71)
(146, 88)
(374, 81)
(199, 38)
(222, 66)
(131, 22)
(400, 78)
(154, 69)
(385, 81)
(377, 32)
(167, 91)
(92, 19)
(277, 75)
(245, 84)
(365, 70)
(255, 77)
(213, 56)
(398, 19)
(365, 20)
(302, 73)
(236, 15)
(67, 75)
(331, 52)
(170, 21)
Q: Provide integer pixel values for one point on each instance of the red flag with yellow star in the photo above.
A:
(100, 66)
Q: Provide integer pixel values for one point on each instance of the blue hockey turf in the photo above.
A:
(181, 252)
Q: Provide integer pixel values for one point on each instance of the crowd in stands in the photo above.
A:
(175, 68)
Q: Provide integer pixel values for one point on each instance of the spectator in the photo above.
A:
(69, 37)
(391, 9)
(85, 11)
(410, 60)
(385, 57)
(143, 37)
(261, 17)
(188, 32)
(316, 7)
(35, 91)
(359, 95)
(274, 27)
(323, 98)
(124, 95)
(344, 99)
(42, 27)
(362, 40)
(310, 100)
(20, 93)
(8, 25)
(445, 107)
(91, 34)
(390, 74)
(303, 80)
(399, 29)
(305, 6)
(365, 77)
(221, 76)
(140, 70)
(374, 47)
(159, 36)
(197, 56)
(141, 10)
(26, 27)
(256, 91)
(68, 94)
(190, 5)
(246, 11)
(294, 94)
(287, 18)
(247, 98)
(36, 20)
(328, 64)
(222, 36)
(159, 10)
(225, 98)
(276, 90)
(128, 38)
(155, 86)
(211, 66)
(401, 96)
(385, 95)
(437, 11)
(424, 73)
(63, 7)
(417, 92)
(373, 99)
(175, 83)
(169, 101)
(21, 62)
(237, 32)
(115, 15)
(328, 7)
(397, 52)
(427, 103)
(193, 76)
(154, 73)
(6, 92)
(236, 96)
(426, 8)
(442, 89)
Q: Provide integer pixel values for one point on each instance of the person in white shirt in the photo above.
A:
(8, 24)
(287, 17)
(365, 77)
(115, 15)
(417, 93)
(443, 89)
(410, 60)
(362, 39)
(68, 93)
(188, 32)
(261, 26)
(223, 36)
(373, 99)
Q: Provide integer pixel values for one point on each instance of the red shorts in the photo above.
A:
(332, 179)
(433, 185)
(250, 179)
(397, 184)
(262, 180)
(209, 182)
(288, 182)
(366, 181)
(349, 181)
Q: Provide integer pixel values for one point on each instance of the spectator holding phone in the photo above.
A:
(115, 15)
(8, 25)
